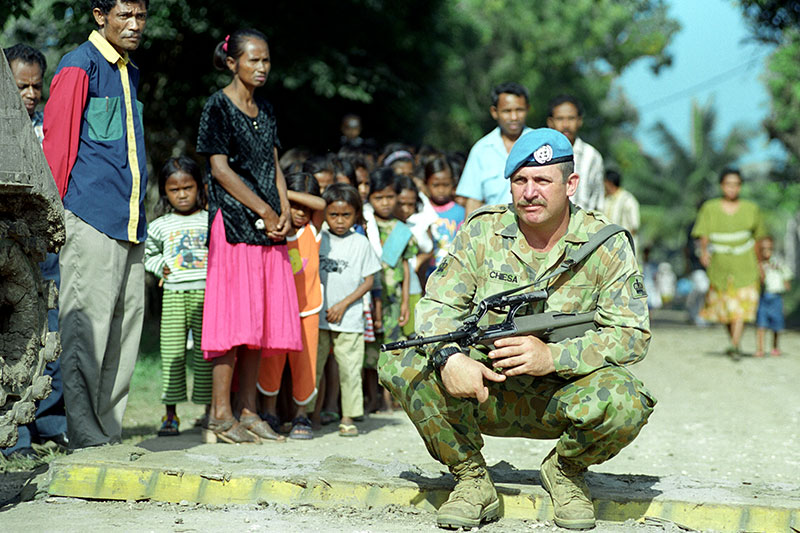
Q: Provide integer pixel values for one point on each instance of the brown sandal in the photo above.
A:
(229, 431)
(260, 429)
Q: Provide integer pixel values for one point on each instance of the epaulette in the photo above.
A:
(499, 208)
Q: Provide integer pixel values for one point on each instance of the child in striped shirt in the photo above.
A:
(176, 252)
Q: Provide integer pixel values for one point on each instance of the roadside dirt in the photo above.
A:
(722, 428)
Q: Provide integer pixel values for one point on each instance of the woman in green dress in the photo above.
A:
(728, 229)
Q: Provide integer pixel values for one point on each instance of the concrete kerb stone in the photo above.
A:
(225, 474)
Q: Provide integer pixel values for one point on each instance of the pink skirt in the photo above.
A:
(250, 298)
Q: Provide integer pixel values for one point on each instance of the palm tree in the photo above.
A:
(686, 178)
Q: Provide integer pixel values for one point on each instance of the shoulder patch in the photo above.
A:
(443, 265)
(636, 286)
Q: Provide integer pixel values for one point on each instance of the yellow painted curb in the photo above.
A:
(121, 482)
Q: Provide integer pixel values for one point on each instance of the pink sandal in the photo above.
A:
(775, 352)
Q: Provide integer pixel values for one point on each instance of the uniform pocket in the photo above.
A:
(104, 118)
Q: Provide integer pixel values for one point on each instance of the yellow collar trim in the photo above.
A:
(108, 51)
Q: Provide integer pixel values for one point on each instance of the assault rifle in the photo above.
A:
(549, 327)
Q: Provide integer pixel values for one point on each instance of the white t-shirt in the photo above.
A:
(344, 262)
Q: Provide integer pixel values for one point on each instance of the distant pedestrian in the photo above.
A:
(620, 206)
(482, 181)
(776, 278)
(565, 114)
(176, 253)
(728, 229)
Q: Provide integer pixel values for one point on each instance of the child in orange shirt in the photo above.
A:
(307, 211)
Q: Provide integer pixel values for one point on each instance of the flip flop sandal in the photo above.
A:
(201, 421)
(272, 420)
(260, 429)
(328, 417)
(169, 426)
(348, 430)
(301, 429)
(229, 431)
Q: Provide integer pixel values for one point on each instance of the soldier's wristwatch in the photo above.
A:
(440, 357)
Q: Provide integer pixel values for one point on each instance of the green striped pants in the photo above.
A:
(180, 312)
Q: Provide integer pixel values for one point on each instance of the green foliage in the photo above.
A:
(783, 83)
(770, 18)
(13, 8)
(579, 47)
(417, 70)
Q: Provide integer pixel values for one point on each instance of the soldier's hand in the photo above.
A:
(463, 377)
(522, 355)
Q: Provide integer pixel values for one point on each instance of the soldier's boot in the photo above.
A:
(473, 500)
(572, 502)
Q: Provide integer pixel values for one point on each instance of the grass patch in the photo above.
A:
(143, 414)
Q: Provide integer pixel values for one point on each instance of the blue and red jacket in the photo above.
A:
(94, 140)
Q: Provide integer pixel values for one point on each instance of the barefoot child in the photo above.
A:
(175, 251)
(303, 241)
(347, 267)
(775, 281)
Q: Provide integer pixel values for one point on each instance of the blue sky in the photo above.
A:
(713, 58)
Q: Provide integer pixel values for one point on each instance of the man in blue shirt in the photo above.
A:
(94, 144)
(482, 180)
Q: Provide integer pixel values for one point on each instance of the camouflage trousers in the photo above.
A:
(593, 416)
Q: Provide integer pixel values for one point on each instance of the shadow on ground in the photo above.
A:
(636, 490)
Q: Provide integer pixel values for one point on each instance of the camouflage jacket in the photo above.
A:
(490, 255)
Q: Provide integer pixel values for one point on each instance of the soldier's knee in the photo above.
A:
(629, 404)
(399, 371)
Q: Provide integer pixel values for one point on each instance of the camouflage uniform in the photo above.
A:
(592, 403)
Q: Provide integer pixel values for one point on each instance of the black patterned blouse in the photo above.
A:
(249, 144)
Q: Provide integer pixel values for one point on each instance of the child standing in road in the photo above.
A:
(347, 267)
(303, 242)
(776, 277)
(175, 251)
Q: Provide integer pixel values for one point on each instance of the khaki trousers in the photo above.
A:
(101, 309)
(348, 349)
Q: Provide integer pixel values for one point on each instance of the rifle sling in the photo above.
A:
(585, 249)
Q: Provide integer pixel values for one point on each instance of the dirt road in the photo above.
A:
(719, 424)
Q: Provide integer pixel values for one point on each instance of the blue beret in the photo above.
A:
(538, 148)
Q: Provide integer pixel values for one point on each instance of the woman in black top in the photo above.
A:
(251, 305)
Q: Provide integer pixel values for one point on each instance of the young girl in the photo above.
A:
(347, 266)
(441, 185)
(307, 208)
(175, 251)
(409, 210)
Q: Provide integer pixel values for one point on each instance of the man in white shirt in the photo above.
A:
(482, 181)
(565, 114)
(621, 207)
